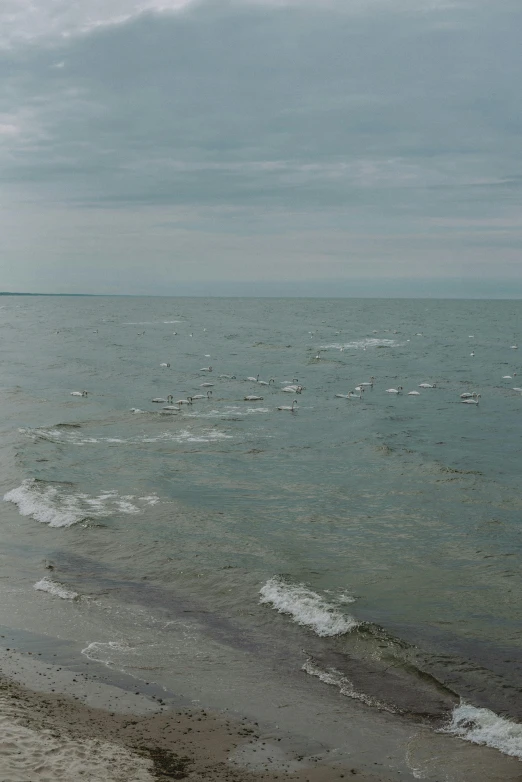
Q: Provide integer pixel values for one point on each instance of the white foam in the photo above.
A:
(186, 436)
(307, 608)
(482, 726)
(108, 652)
(336, 679)
(362, 343)
(228, 411)
(46, 585)
(58, 507)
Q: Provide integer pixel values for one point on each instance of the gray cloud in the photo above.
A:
(388, 133)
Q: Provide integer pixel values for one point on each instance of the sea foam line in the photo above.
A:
(53, 588)
(52, 505)
(306, 607)
(336, 679)
(482, 726)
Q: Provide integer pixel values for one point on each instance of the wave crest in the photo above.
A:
(306, 607)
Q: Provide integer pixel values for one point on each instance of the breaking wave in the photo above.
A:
(306, 607)
(54, 505)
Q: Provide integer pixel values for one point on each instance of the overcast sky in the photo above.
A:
(171, 146)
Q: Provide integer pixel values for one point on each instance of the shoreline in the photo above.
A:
(70, 727)
(60, 724)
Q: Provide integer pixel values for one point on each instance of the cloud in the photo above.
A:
(269, 119)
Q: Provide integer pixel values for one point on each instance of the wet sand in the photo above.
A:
(52, 735)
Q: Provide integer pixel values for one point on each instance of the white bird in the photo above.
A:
(472, 354)
(351, 395)
(264, 382)
(514, 347)
(427, 385)
(415, 393)
(203, 396)
(394, 390)
(171, 407)
(164, 365)
(292, 389)
(205, 385)
(518, 389)
(253, 379)
(468, 395)
(286, 407)
(253, 398)
(509, 377)
(474, 401)
(78, 393)
(206, 369)
(227, 377)
(370, 383)
(187, 401)
(160, 399)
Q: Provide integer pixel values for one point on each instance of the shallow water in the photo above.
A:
(374, 544)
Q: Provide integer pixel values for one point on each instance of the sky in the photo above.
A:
(243, 147)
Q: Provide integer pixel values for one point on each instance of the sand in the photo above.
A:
(48, 736)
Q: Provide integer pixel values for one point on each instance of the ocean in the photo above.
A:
(363, 550)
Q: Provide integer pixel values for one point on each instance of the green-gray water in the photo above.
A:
(374, 544)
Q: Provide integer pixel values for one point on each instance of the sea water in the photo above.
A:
(370, 546)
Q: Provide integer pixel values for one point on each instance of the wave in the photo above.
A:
(336, 679)
(186, 436)
(46, 585)
(54, 505)
(56, 435)
(228, 411)
(482, 726)
(359, 344)
(107, 652)
(306, 607)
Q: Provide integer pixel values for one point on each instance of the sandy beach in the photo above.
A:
(53, 735)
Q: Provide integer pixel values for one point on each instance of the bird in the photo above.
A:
(253, 398)
(370, 383)
(264, 382)
(227, 377)
(468, 394)
(206, 369)
(517, 389)
(78, 393)
(292, 389)
(514, 347)
(253, 379)
(415, 393)
(509, 377)
(171, 407)
(471, 401)
(164, 365)
(472, 354)
(187, 401)
(286, 407)
(206, 385)
(160, 399)
(352, 395)
(203, 396)
(427, 385)
(394, 390)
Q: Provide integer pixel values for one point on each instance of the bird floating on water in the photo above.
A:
(78, 393)
(287, 407)
(253, 398)
(394, 390)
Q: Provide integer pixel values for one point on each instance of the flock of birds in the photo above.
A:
(293, 387)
